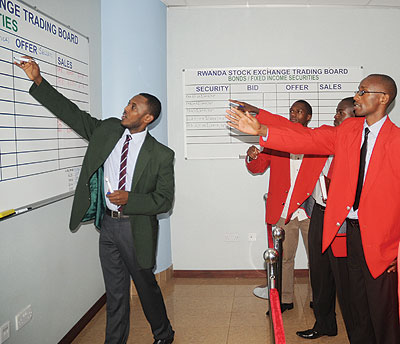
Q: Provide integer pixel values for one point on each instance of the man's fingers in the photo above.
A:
(233, 125)
(247, 114)
(234, 101)
(232, 115)
(235, 112)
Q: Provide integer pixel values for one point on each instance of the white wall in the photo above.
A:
(42, 263)
(215, 197)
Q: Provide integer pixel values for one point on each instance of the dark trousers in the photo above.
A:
(328, 275)
(119, 264)
(374, 301)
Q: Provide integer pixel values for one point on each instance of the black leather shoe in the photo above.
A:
(164, 341)
(312, 334)
(284, 307)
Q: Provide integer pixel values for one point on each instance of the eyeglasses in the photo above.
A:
(361, 93)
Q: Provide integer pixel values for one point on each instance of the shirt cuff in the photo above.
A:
(265, 138)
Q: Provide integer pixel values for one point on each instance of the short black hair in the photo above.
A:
(306, 104)
(388, 84)
(153, 105)
(348, 100)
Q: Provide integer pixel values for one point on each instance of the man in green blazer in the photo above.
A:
(121, 156)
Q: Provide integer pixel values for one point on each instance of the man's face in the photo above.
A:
(298, 114)
(369, 103)
(135, 114)
(344, 110)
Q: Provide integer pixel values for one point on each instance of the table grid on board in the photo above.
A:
(205, 111)
(32, 140)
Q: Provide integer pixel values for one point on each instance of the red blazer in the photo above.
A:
(379, 207)
(279, 182)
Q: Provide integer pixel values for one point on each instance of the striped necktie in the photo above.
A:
(123, 165)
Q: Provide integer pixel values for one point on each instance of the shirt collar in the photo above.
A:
(136, 137)
(376, 127)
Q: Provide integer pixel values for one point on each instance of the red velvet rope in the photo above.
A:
(277, 317)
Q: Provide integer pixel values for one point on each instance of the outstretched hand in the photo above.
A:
(245, 106)
(31, 69)
(245, 122)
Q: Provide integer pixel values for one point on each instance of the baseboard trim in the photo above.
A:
(80, 325)
(230, 273)
(301, 273)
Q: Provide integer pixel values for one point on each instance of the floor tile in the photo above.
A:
(248, 335)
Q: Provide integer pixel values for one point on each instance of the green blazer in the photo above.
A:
(152, 189)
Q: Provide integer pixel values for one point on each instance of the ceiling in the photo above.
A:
(208, 3)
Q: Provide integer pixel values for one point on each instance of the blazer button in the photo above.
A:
(308, 194)
(287, 191)
(283, 203)
(298, 203)
(338, 224)
(348, 207)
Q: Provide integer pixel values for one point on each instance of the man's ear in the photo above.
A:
(148, 118)
(309, 118)
(385, 98)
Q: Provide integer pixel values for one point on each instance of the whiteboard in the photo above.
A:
(40, 157)
(207, 90)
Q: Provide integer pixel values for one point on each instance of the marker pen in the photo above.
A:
(23, 59)
(110, 190)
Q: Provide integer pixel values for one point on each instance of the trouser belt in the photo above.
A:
(116, 214)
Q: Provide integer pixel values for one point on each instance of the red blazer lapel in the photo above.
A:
(353, 153)
(377, 157)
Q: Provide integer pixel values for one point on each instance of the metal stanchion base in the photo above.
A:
(261, 292)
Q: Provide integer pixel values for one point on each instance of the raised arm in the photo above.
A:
(279, 133)
(80, 121)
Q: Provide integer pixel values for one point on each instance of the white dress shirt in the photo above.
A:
(317, 193)
(295, 164)
(112, 164)
(372, 136)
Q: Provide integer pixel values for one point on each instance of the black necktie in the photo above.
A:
(363, 154)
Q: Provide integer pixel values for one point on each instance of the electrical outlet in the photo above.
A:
(23, 317)
(252, 236)
(4, 332)
(231, 236)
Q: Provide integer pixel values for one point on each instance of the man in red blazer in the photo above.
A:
(288, 206)
(328, 270)
(364, 192)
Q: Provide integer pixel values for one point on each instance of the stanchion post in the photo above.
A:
(278, 235)
(271, 259)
